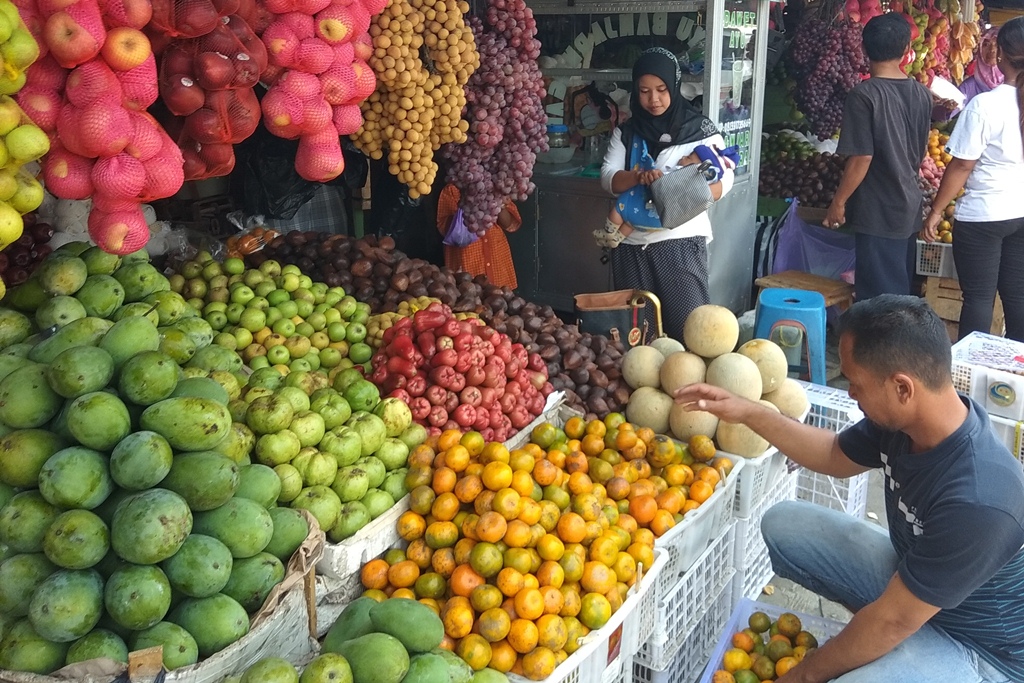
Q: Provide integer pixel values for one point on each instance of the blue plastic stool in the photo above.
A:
(799, 308)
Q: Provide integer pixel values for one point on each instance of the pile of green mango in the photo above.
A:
(131, 514)
(394, 641)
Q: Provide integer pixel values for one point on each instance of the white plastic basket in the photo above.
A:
(753, 566)
(679, 611)
(979, 349)
(831, 408)
(848, 495)
(341, 560)
(1011, 433)
(686, 541)
(608, 651)
(821, 628)
(696, 647)
(759, 475)
(935, 259)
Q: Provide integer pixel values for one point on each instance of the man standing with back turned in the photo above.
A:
(886, 121)
(940, 598)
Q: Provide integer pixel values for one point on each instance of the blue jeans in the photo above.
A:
(850, 561)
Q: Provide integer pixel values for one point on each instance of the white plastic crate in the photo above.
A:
(849, 495)
(341, 560)
(696, 649)
(609, 651)
(680, 610)
(831, 408)
(935, 259)
(1011, 433)
(686, 541)
(821, 628)
(759, 475)
(753, 566)
(981, 350)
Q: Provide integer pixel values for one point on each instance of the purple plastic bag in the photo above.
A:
(458, 234)
(812, 249)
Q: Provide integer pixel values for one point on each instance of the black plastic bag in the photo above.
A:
(272, 187)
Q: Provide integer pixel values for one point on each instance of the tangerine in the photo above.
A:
(523, 635)
(475, 651)
(374, 574)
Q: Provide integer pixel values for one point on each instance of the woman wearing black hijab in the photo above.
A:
(671, 261)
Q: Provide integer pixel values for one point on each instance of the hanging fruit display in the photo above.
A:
(90, 93)
(423, 55)
(319, 77)
(210, 59)
(963, 41)
(496, 162)
(826, 61)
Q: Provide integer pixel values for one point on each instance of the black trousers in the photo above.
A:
(989, 257)
(884, 265)
(675, 270)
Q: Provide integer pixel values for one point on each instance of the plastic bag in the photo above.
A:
(458, 234)
(272, 188)
(812, 249)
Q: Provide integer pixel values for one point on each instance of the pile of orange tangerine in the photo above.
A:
(765, 650)
(523, 553)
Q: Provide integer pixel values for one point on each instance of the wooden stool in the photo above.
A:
(836, 292)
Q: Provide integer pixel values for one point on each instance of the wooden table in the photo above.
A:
(836, 292)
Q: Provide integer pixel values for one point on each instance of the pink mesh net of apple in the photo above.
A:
(318, 77)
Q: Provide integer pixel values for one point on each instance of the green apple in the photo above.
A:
(217, 320)
(300, 365)
(253, 319)
(291, 269)
(284, 327)
(289, 309)
(270, 267)
(360, 353)
(347, 307)
(242, 294)
(254, 279)
(303, 308)
(243, 337)
(330, 358)
(259, 363)
(273, 314)
(304, 330)
(234, 312)
(289, 282)
(234, 266)
(317, 320)
(296, 396)
(227, 340)
(277, 296)
(212, 270)
(337, 331)
(258, 302)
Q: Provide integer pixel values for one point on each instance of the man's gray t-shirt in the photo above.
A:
(887, 119)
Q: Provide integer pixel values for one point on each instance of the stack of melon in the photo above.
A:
(757, 370)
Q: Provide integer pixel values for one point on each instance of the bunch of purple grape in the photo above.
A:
(826, 62)
(504, 107)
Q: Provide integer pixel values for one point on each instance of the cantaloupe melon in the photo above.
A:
(737, 374)
(667, 345)
(769, 405)
(680, 369)
(711, 331)
(790, 398)
(687, 423)
(641, 367)
(770, 361)
(649, 407)
(739, 439)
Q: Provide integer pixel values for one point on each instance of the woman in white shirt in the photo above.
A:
(671, 261)
(987, 146)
